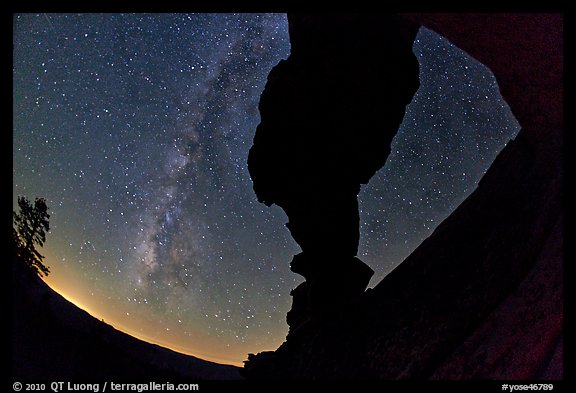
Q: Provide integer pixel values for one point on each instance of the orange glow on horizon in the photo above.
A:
(113, 321)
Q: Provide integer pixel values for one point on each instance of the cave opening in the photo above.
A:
(452, 131)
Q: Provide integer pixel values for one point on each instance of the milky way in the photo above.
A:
(136, 130)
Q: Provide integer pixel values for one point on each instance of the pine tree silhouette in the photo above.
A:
(29, 231)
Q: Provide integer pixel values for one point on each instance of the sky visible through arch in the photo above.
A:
(136, 129)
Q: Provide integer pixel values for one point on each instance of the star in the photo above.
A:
(136, 129)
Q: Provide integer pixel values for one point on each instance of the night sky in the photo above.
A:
(136, 129)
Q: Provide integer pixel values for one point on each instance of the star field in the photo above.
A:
(136, 129)
(453, 129)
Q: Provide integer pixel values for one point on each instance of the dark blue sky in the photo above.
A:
(136, 130)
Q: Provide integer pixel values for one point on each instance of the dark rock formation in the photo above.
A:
(481, 298)
(328, 115)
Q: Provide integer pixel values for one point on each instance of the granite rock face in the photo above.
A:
(482, 297)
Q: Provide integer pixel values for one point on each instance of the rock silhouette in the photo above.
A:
(328, 115)
(481, 298)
